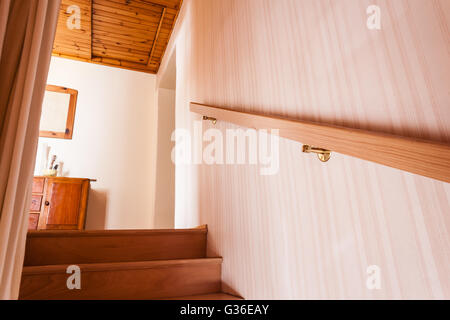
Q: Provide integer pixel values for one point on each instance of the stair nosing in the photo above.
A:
(113, 266)
(109, 233)
(204, 294)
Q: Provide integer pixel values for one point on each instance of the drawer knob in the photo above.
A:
(47, 203)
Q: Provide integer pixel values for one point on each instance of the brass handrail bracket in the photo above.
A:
(213, 120)
(323, 154)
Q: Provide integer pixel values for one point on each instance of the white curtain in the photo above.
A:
(27, 30)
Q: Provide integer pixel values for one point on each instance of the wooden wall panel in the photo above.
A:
(312, 230)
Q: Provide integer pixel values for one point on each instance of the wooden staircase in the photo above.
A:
(122, 264)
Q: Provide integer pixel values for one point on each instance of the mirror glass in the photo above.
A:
(54, 111)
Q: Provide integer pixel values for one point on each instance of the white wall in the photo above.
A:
(112, 141)
(165, 170)
(164, 183)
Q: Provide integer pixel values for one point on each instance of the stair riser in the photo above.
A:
(51, 250)
(145, 283)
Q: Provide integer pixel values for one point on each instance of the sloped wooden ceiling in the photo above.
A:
(131, 34)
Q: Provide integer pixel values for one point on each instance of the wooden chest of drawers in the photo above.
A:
(58, 203)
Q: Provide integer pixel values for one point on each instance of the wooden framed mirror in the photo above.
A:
(58, 112)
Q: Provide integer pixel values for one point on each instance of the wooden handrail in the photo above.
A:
(427, 158)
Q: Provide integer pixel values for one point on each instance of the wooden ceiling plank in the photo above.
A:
(81, 3)
(102, 52)
(63, 28)
(171, 29)
(156, 37)
(100, 10)
(119, 43)
(104, 35)
(125, 38)
(121, 64)
(73, 44)
(143, 4)
(121, 17)
(117, 29)
(142, 67)
(149, 24)
(92, 29)
(173, 4)
(69, 37)
(126, 24)
(120, 34)
(101, 26)
(125, 50)
(72, 50)
(129, 9)
(118, 50)
(108, 62)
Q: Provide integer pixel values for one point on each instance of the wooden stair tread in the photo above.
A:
(82, 247)
(210, 296)
(125, 280)
(111, 266)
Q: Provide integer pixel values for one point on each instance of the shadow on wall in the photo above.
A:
(229, 290)
(164, 216)
(164, 205)
(97, 207)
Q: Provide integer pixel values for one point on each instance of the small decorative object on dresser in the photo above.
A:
(52, 170)
(58, 203)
